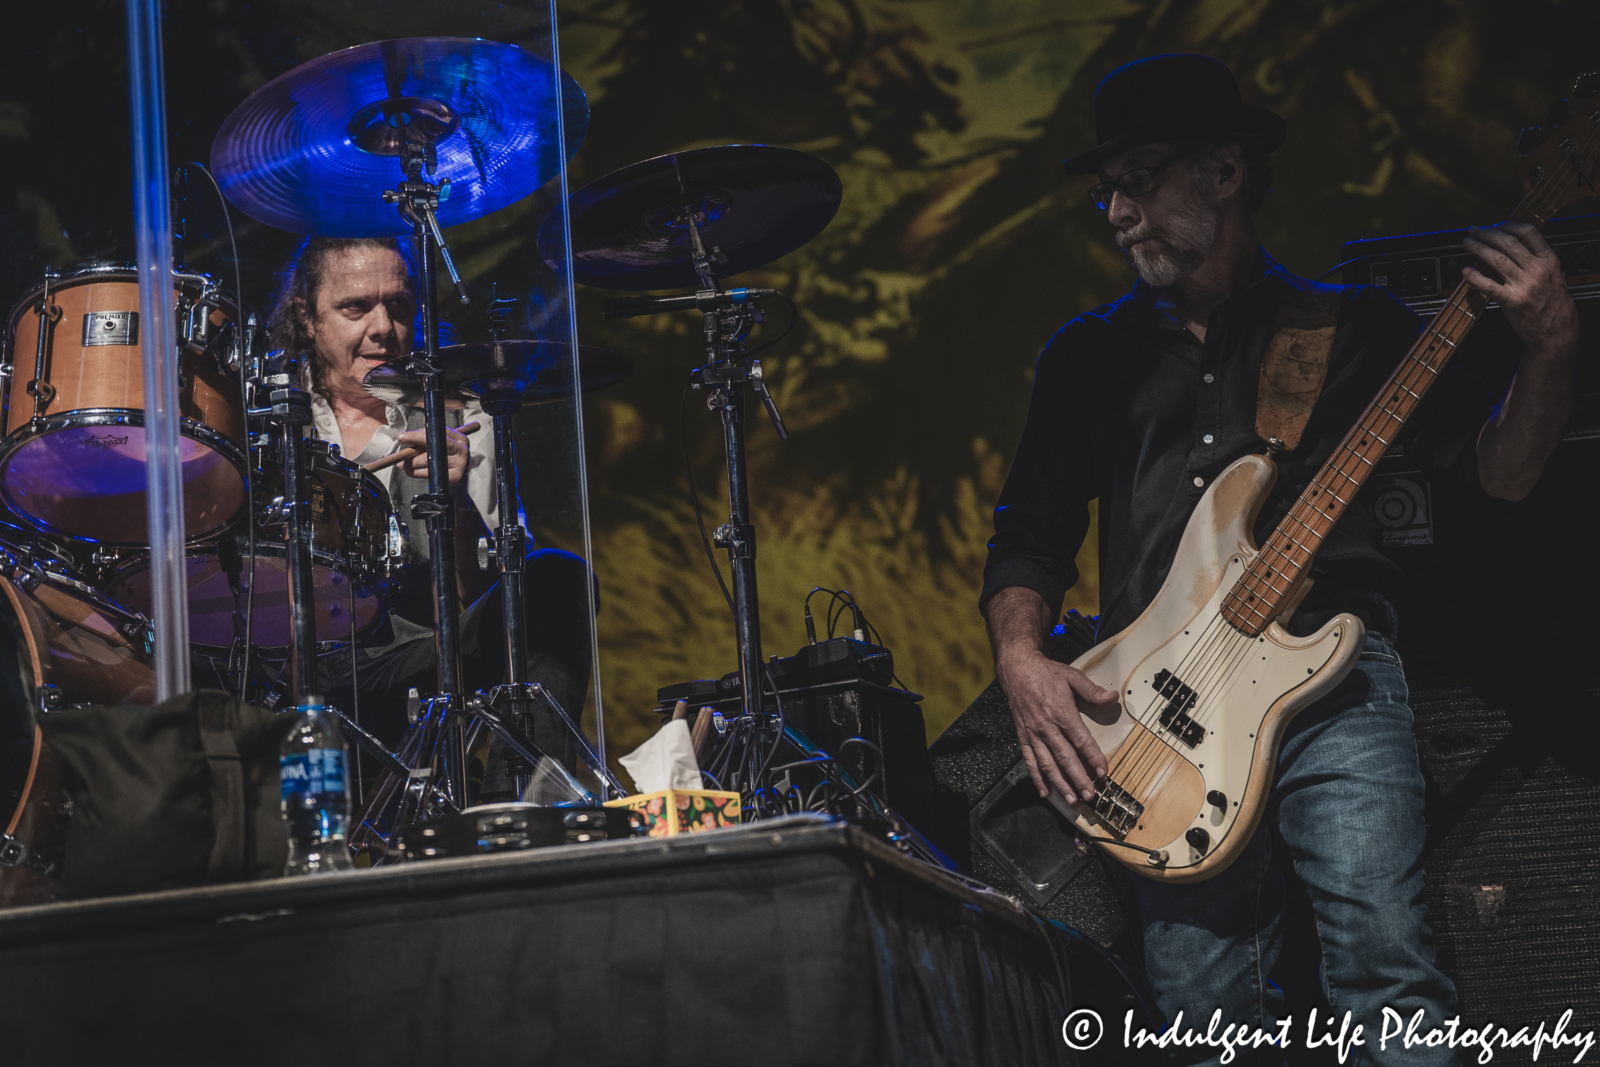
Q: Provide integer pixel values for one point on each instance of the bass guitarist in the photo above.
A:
(1140, 404)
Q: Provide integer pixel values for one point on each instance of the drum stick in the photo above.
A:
(698, 732)
(406, 453)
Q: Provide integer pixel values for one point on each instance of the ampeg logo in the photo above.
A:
(106, 442)
(1403, 508)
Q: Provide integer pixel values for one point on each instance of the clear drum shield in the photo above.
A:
(507, 126)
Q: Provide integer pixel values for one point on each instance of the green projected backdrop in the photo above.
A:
(960, 246)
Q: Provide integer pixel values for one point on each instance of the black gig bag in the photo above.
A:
(181, 794)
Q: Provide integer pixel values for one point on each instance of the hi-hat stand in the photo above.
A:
(501, 400)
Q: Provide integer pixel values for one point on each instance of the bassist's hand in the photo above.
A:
(1534, 294)
(1044, 696)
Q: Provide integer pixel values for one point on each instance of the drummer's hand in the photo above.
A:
(457, 454)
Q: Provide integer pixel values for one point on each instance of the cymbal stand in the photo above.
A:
(509, 553)
(723, 379)
(416, 199)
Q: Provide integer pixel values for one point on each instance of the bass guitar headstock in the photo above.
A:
(1563, 157)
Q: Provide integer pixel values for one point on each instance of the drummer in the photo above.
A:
(349, 305)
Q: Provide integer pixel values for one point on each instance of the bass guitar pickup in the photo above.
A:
(1180, 700)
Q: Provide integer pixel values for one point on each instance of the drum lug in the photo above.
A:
(275, 513)
(13, 853)
(140, 632)
(28, 575)
(47, 698)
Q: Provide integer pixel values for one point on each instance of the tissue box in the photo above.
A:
(682, 811)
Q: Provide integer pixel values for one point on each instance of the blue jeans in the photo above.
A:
(1347, 805)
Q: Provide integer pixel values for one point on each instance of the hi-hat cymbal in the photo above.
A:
(313, 150)
(537, 371)
(753, 202)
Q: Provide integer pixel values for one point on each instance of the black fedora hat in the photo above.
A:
(1166, 97)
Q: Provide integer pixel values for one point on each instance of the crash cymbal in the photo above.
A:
(313, 150)
(537, 371)
(753, 202)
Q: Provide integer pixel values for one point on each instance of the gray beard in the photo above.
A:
(1174, 253)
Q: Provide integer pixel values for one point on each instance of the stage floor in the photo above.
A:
(795, 941)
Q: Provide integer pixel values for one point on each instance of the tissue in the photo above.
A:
(666, 761)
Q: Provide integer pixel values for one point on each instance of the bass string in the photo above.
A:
(1221, 648)
(1148, 747)
(1414, 376)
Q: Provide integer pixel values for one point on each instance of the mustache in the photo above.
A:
(1132, 235)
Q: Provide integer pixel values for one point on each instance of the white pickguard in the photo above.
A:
(1244, 691)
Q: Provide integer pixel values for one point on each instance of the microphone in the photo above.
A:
(628, 307)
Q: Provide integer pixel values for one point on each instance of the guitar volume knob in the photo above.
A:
(1198, 838)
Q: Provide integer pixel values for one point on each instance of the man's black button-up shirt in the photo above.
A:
(1130, 408)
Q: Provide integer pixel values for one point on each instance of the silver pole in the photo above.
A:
(152, 220)
(577, 382)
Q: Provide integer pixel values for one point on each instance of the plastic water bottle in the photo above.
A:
(316, 795)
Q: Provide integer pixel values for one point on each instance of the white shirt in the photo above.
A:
(386, 441)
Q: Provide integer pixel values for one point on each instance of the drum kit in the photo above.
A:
(292, 546)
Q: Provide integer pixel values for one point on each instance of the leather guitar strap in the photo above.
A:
(1295, 364)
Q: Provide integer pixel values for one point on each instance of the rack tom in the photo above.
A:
(73, 459)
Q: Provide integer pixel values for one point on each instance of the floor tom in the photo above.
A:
(70, 645)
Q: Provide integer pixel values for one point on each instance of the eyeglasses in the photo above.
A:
(1135, 183)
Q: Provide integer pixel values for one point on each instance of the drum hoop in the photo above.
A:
(89, 417)
(320, 451)
(320, 557)
(129, 272)
(366, 579)
(27, 784)
(102, 601)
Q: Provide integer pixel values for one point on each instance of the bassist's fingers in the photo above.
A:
(1063, 753)
(1085, 687)
(1086, 753)
(1033, 769)
(1479, 280)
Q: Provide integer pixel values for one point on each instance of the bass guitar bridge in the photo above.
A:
(1116, 807)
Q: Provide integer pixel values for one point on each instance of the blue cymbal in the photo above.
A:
(313, 150)
(751, 203)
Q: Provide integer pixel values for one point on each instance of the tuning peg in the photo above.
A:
(1560, 112)
(1529, 140)
(1586, 86)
